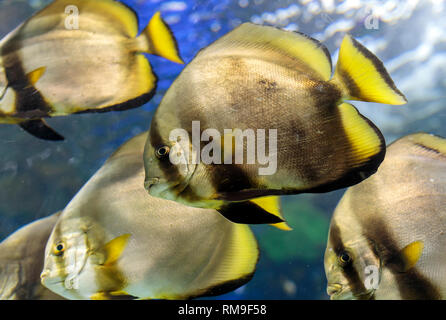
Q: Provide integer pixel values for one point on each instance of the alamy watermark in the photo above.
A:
(225, 148)
(371, 21)
(371, 280)
(72, 19)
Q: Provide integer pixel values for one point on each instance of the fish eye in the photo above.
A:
(345, 258)
(162, 152)
(59, 248)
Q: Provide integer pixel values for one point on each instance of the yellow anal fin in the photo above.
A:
(430, 142)
(114, 248)
(235, 263)
(411, 253)
(272, 205)
(114, 295)
(362, 76)
(35, 75)
(247, 212)
(365, 140)
(241, 255)
(158, 39)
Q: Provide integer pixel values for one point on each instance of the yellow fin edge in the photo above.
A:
(430, 141)
(362, 76)
(272, 205)
(363, 138)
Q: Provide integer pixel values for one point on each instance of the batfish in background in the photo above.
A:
(21, 262)
(114, 241)
(263, 78)
(78, 56)
(388, 233)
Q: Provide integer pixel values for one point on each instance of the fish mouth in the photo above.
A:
(46, 280)
(334, 289)
(148, 183)
(164, 190)
(337, 291)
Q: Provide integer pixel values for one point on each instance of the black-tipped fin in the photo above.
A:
(362, 76)
(248, 212)
(41, 130)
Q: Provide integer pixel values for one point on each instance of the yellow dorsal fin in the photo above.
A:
(158, 39)
(429, 141)
(411, 253)
(114, 248)
(290, 48)
(362, 76)
(35, 75)
(272, 205)
(365, 139)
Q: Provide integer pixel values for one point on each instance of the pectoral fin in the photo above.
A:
(41, 130)
(114, 248)
(35, 75)
(410, 255)
(249, 212)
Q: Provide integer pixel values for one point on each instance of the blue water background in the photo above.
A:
(38, 177)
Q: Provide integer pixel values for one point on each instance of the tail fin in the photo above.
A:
(157, 39)
(362, 76)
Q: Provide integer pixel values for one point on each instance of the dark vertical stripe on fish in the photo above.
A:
(357, 174)
(412, 285)
(30, 103)
(170, 171)
(350, 273)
